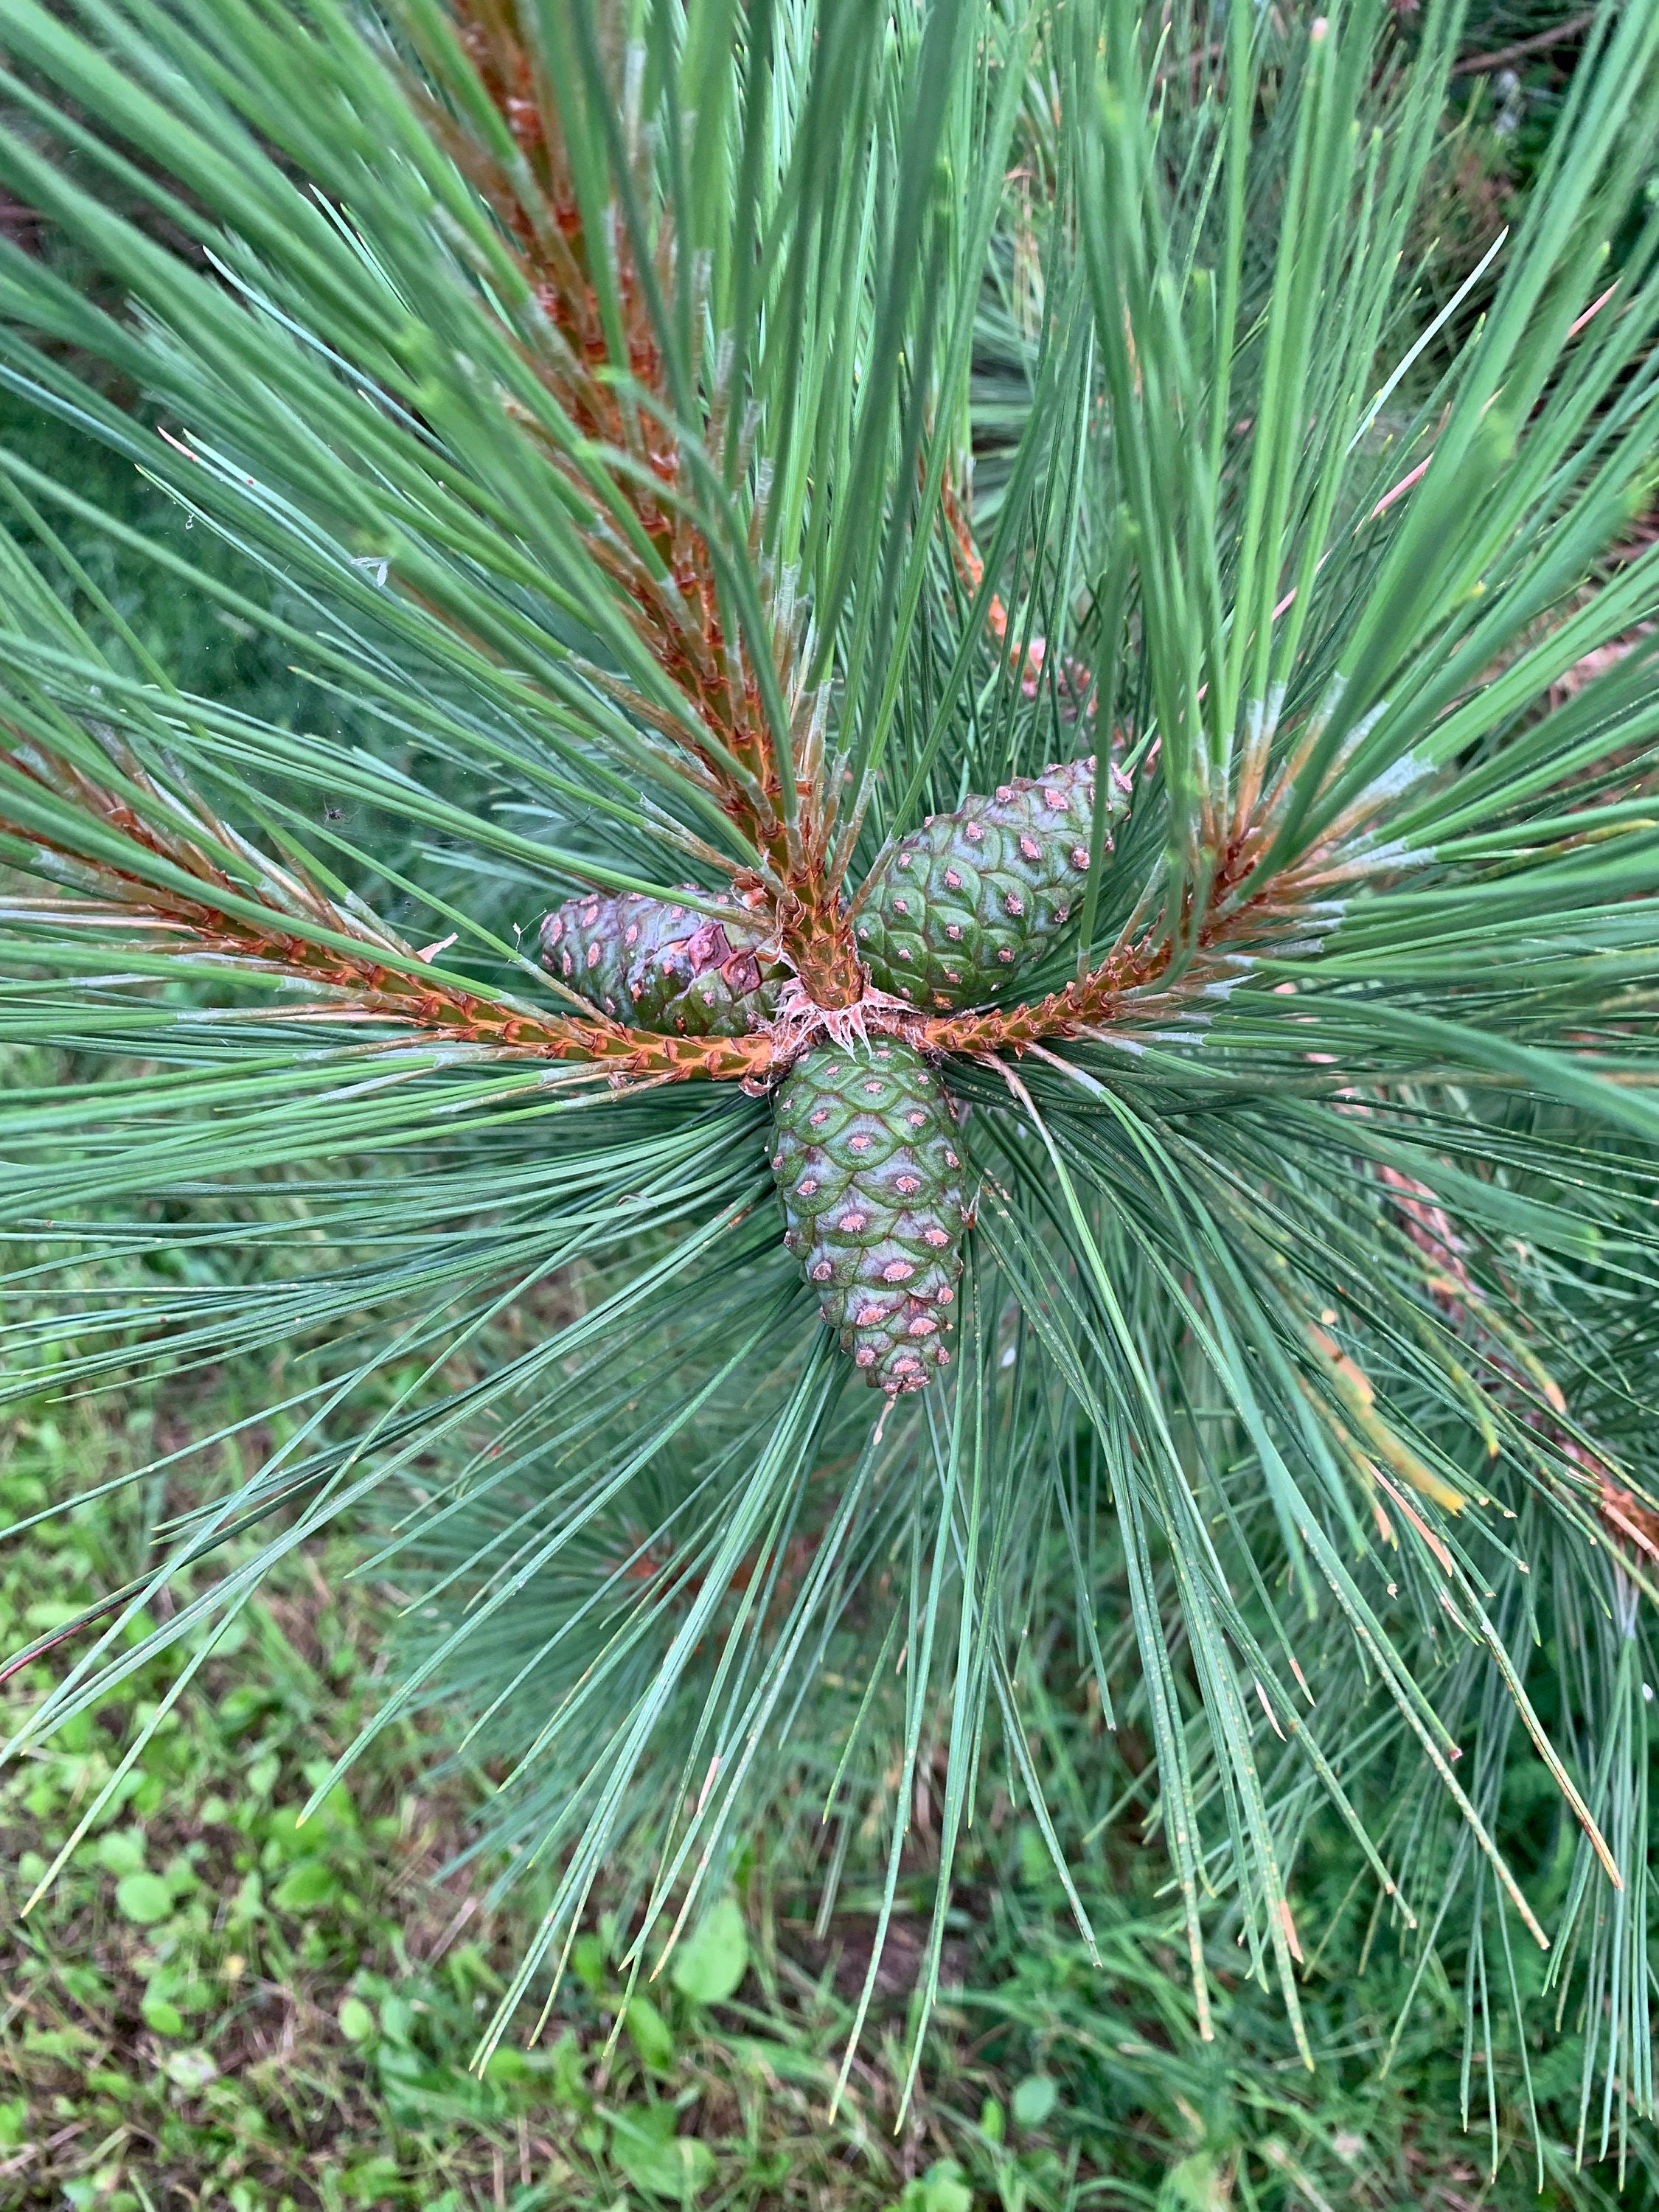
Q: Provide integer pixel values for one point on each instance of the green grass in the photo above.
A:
(216, 2007)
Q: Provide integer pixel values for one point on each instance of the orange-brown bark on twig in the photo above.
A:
(273, 922)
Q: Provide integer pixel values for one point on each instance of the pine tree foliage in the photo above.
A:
(700, 443)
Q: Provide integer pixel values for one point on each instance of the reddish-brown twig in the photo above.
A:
(273, 921)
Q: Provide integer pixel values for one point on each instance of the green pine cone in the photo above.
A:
(955, 909)
(867, 1169)
(659, 967)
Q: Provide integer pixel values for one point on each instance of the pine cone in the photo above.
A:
(958, 908)
(866, 1167)
(668, 968)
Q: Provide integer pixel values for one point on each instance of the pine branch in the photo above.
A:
(166, 872)
(603, 301)
(1515, 1373)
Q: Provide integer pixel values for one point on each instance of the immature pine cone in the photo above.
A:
(866, 1166)
(954, 911)
(667, 967)
(864, 1155)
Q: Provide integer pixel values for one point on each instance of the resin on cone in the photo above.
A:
(953, 912)
(867, 1163)
(662, 967)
